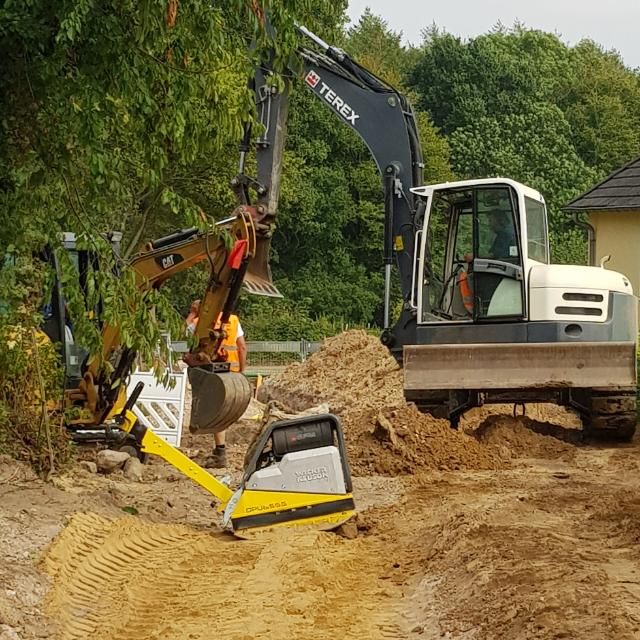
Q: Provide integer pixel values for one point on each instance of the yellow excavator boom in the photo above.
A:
(220, 396)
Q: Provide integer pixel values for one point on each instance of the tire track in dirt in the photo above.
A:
(522, 555)
(127, 578)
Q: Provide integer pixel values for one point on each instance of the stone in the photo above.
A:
(384, 431)
(89, 466)
(133, 469)
(348, 530)
(108, 460)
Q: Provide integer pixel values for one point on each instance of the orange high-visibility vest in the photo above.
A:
(465, 291)
(230, 343)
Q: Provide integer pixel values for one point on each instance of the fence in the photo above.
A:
(269, 356)
(160, 408)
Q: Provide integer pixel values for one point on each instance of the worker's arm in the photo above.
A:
(242, 353)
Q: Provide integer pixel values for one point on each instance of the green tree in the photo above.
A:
(521, 104)
(120, 114)
(502, 72)
(111, 112)
(601, 101)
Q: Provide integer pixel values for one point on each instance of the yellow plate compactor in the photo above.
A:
(296, 474)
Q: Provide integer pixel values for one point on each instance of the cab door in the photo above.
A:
(496, 268)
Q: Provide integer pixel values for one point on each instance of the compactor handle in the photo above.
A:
(133, 398)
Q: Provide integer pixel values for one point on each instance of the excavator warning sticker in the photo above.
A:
(312, 79)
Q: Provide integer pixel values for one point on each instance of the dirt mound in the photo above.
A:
(517, 438)
(539, 412)
(351, 370)
(401, 440)
(354, 373)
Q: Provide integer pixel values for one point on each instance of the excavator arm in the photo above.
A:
(385, 121)
(230, 250)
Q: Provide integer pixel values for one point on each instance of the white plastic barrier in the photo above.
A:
(160, 408)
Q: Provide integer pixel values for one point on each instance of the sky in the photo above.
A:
(613, 24)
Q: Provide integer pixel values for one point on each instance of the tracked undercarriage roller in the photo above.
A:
(218, 399)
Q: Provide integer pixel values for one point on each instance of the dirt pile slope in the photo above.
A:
(517, 438)
(354, 373)
(351, 370)
(539, 412)
(401, 440)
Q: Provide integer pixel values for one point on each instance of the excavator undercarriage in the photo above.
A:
(448, 380)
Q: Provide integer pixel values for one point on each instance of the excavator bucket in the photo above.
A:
(218, 399)
(258, 280)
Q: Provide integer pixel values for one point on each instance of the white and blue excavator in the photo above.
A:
(486, 318)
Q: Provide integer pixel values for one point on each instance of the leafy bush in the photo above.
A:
(31, 427)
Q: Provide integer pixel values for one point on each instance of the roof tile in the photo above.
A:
(620, 190)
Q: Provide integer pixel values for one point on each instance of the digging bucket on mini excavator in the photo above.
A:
(219, 398)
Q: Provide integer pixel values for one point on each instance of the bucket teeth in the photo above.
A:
(258, 280)
(218, 399)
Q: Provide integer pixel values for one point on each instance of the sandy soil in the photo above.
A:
(545, 549)
(495, 531)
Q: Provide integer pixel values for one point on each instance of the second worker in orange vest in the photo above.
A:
(235, 348)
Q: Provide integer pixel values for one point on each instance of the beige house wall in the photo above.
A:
(618, 235)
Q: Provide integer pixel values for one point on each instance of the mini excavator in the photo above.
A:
(296, 472)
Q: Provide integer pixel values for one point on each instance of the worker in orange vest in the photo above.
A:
(234, 348)
(465, 290)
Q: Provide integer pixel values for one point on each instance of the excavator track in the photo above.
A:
(613, 414)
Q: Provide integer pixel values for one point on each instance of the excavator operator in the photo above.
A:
(234, 348)
(501, 226)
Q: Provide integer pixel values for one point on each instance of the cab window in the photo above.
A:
(497, 237)
(537, 241)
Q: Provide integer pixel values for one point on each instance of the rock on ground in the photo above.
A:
(133, 469)
(108, 460)
(89, 465)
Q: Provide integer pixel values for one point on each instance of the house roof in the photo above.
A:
(620, 190)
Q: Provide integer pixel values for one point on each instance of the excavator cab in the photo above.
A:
(57, 325)
(487, 300)
(474, 263)
(59, 322)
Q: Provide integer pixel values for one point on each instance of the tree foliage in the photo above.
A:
(116, 114)
(520, 103)
(125, 115)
